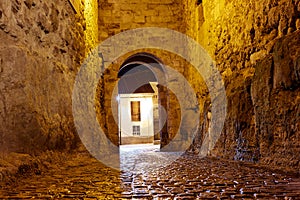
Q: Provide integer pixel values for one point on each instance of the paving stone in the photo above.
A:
(189, 177)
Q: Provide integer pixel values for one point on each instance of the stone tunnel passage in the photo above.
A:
(142, 101)
(255, 45)
(189, 177)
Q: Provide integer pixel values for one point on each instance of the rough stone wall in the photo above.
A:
(91, 23)
(275, 95)
(117, 16)
(254, 44)
(43, 45)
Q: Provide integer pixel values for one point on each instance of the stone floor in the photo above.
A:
(145, 176)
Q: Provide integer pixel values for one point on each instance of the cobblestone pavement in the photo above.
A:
(145, 158)
(189, 177)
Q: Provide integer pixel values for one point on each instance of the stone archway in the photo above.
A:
(151, 66)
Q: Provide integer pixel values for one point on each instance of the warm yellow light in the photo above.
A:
(91, 17)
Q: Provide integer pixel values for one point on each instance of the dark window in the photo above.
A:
(136, 130)
(135, 111)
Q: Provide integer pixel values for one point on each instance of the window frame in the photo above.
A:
(135, 110)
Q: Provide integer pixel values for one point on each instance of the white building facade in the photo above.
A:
(136, 117)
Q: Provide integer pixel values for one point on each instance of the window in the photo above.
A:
(135, 111)
(136, 130)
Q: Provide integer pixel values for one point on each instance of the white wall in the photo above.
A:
(146, 123)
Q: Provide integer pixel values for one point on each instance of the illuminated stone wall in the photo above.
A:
(42, 48)
(116, 16)
(91, 23)
(255, 45)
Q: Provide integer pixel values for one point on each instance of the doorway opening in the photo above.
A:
(141, 118)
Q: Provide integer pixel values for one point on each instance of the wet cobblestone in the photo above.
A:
(189, 177)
